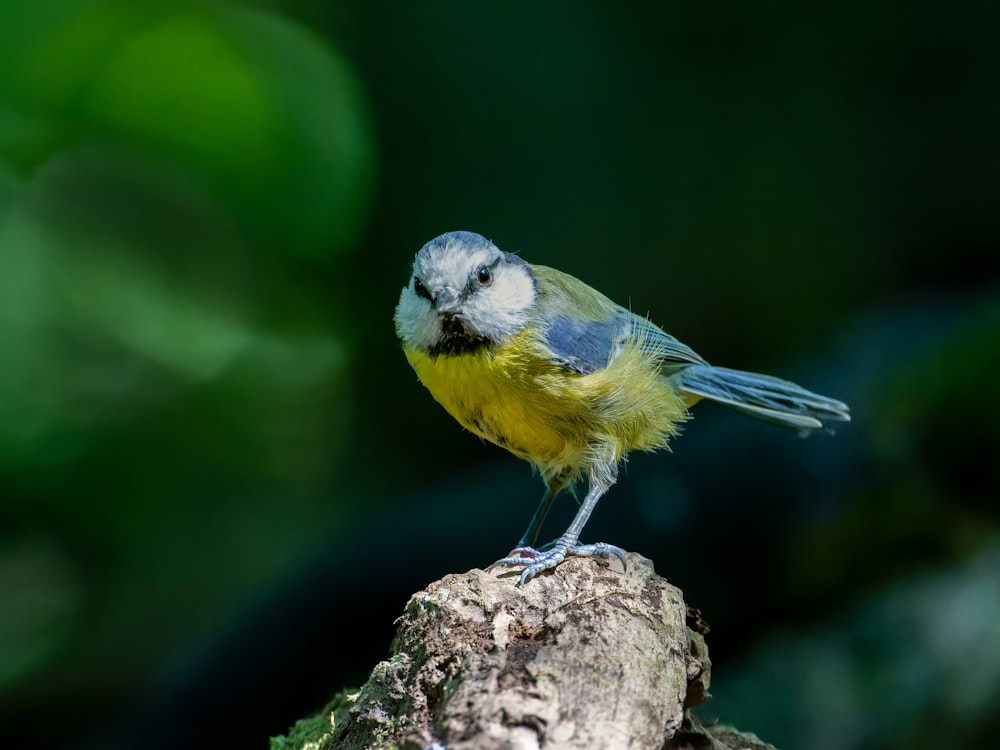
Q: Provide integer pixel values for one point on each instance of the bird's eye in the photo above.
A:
(484, 275)
(421, 290)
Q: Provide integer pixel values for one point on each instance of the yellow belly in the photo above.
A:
(557, 419)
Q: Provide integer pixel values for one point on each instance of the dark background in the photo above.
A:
(219, 479)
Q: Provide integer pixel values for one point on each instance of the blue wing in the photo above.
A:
(584, 330)
(586, 346)
(582, 346)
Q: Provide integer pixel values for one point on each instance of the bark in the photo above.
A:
(588, 656)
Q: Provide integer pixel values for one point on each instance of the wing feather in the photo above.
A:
(584, 329)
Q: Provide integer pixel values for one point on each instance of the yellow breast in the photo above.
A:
(515, 397)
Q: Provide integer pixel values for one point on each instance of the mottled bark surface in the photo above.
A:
(587, 656)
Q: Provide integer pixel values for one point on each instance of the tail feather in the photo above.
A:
(763, 397)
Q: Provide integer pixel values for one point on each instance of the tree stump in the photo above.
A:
(587, 656)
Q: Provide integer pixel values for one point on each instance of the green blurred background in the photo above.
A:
(219, 479)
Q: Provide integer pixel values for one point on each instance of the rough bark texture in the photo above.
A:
(588, 656)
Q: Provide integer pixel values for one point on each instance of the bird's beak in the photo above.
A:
(447, 302)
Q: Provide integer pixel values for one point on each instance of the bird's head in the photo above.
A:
(464, 293)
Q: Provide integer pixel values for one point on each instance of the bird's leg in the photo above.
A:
(536, 561)
(530, 535)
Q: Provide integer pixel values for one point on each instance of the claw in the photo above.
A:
(600, 549)
(537, 561)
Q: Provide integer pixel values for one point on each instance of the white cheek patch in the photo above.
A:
(502, 309)
(416, 322)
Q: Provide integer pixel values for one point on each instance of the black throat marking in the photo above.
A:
(456, 339)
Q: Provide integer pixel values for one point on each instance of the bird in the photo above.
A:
(545, 366)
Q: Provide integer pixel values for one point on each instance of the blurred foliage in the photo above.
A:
(224, 98)
(925, 499)
(207, 210)
(869, 678)
(178, 178)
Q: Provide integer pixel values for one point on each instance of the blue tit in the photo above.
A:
(537, 362)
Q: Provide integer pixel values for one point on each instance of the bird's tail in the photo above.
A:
(763, 397)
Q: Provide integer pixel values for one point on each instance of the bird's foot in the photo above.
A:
(548, 556)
